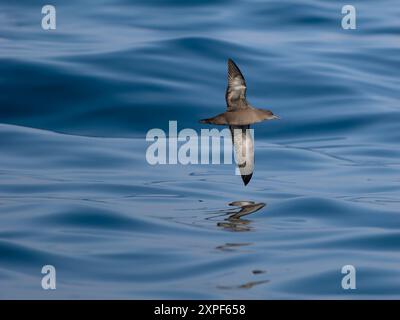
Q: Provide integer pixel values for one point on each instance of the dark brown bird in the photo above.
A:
(239, 116)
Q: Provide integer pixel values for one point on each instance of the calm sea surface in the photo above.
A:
(77, 192)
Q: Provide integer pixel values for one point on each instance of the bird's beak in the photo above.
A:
(274, 117)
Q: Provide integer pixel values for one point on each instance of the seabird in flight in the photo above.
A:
(239, 116)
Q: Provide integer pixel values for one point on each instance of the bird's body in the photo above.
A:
(239, 115)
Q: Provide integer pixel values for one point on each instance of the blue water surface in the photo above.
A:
(77, 192)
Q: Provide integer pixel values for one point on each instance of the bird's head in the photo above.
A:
(268, 115)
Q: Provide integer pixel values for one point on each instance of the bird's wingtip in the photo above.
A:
(246, 178)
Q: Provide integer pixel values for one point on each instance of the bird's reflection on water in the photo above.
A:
(247, 285)
(234, 222)
(232, 246)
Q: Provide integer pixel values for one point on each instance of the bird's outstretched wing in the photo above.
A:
(244, 151)
(236, 92)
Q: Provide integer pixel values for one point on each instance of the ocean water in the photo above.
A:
(76, 191)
